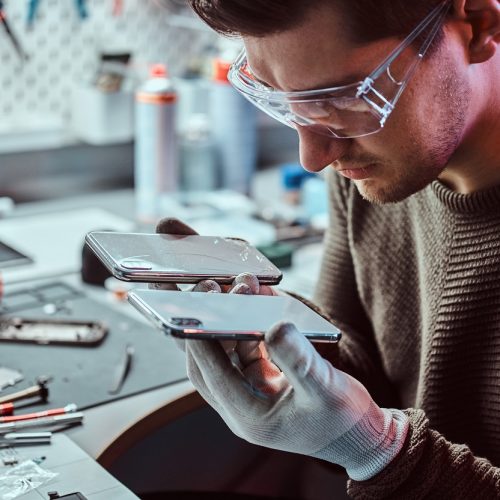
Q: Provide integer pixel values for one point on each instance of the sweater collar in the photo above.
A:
(467, 203)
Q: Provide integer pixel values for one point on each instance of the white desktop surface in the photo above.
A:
(76, 471)
(54, 240)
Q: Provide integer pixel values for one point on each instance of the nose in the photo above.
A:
(318, 151)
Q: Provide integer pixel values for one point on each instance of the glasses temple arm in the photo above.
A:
(440, 11)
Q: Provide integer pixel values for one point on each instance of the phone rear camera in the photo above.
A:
(187, 322)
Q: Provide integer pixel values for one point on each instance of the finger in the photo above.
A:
(241, 289)
(229, 347)
(258, 369)
(207, 286)
(250, 351)
(296, 357)
(250, 280)
(171, 225)
(163, 286)
(268, 290)
(224, 381)
(265, 377)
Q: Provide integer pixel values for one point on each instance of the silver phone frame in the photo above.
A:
(151, 277)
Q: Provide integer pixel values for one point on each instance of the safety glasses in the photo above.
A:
(354, 110)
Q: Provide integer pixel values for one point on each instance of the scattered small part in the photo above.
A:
(8, 461)
(9, 377)
(54, 495)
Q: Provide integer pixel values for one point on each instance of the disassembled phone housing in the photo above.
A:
(52, 331)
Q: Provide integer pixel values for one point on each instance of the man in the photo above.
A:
(409, 401)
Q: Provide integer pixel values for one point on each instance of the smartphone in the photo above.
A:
(10, 257)
(52, 331)
(195, 315)
(154, 258)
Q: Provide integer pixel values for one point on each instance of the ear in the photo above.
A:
(483, 19)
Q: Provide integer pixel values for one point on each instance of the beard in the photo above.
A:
(429, 152)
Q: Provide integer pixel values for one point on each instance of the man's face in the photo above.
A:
(421, 134)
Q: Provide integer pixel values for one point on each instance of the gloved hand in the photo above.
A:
(307, 407)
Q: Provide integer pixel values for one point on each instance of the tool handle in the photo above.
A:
(30, 392)
(71, 418)
(39, 414)
(6, 409)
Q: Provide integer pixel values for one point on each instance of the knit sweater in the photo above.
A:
(415, 287)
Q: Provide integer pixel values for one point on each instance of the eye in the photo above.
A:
(258, 84)
(345, 104)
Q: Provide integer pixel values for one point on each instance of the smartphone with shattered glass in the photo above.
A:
(157, 258)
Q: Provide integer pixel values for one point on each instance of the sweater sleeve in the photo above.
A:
(337, 295)
(430, 467)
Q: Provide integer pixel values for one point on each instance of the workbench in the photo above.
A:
(113, 429)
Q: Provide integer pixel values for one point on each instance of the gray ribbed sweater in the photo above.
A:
(415, 286)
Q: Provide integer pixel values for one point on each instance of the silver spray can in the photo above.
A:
(156, 155)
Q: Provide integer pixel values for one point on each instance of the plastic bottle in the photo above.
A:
(156, 155)
(198, 159)
(234, 123)
(293, 175)
(314, 196)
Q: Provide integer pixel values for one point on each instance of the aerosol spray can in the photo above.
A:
(234, 122)
(156, 155)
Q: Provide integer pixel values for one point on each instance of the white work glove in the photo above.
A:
(309, 407)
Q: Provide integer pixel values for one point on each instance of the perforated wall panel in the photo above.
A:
(64, 49)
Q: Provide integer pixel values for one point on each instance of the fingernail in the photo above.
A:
(207, 286)
(250, 280)
(241, 289)
(279, 331)
(172, 225)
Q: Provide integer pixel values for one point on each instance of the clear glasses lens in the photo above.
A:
(338, 117)
(339, 114)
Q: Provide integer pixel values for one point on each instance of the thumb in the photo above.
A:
(295, 355)
(171, 225)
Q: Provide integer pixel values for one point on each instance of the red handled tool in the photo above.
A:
(40, 414)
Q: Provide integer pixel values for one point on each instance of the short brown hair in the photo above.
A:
(368, 20)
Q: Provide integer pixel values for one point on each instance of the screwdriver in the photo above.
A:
(15, 42)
